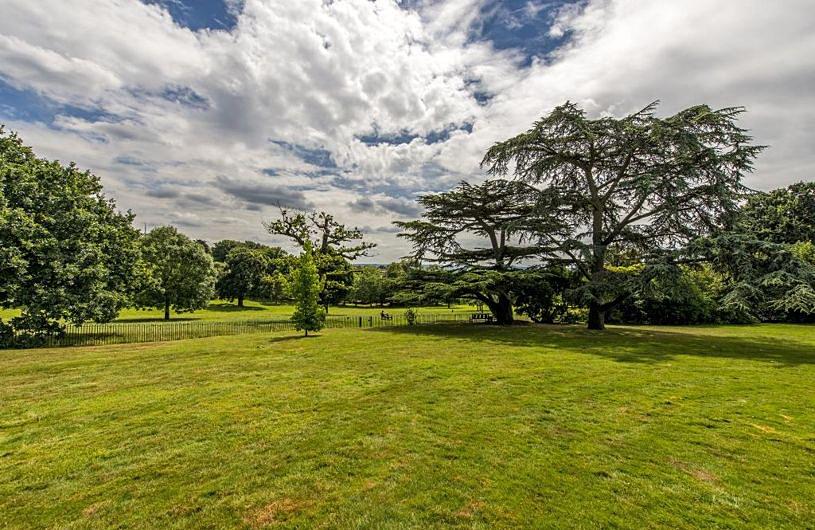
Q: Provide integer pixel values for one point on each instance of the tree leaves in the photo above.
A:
(67, 255)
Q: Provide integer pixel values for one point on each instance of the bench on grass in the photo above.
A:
(485, 318)
(384, 316)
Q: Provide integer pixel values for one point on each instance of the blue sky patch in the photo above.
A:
(199, 14)
(184, 95)
(522, 25)
(28, 105)
(316, 157)
(405, 137)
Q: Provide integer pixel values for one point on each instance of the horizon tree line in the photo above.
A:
(614, 215)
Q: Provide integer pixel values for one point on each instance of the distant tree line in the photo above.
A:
(634, 219)
(67, 256)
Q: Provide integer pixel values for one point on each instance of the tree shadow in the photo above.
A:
(146, 320)
(228, 308)
(627, 344)
(289, 338)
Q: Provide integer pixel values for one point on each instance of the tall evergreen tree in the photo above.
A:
(478, 234)
(308, 315)
(785, 215)
(638, 186)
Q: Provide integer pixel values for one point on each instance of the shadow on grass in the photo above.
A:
(232, 308)
(628, 345)
(289, 338)
(147, 320)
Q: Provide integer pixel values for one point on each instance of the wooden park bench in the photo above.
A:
(485, 318)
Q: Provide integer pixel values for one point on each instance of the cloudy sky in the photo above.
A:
(208, 114)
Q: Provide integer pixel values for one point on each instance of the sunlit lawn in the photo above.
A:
(468, 426)
(223, 310)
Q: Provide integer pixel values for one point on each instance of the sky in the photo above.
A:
(209, 115)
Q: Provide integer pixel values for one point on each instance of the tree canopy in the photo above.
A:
(221, 249)
(326, 234)
(243, 274)
(67, 255)
(639, 186)
(785, 215)
(477, 234)
(178, 273)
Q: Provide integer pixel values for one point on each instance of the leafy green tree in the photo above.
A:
(275, 287)
(785, 215)
(66, 254)
(640, 183)
(243, 275)
(337, 279)
(764, 280)
(308, 315)
(221, 249)
(692, 296)
(178, 273)
(543, 296)
(334, 246)
(275, 284)
(369, 286)
(478, 234)
(762, 256)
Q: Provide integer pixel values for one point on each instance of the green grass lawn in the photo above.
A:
(223, 310)
(469, 426)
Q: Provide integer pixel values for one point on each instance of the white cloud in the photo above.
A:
(189, 120)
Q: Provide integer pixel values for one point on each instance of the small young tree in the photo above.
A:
(333, 244)
(308, 315)
(178, 273)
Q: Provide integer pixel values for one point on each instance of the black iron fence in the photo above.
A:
(93, 334)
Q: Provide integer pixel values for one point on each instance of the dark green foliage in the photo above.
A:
(542, 296)
(250, 269)
(243, 274)
(336, 278)
(503, 215)
(178, 274)
(764, 256)
(765, 280)
(369, 286)
(690, 297)
(785, 215)
(221, 249)
(67, 255)
(638, 184)
(308, 315)
(375, 285)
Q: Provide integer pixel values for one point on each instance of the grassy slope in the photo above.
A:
(222, 310)
(416, 427)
